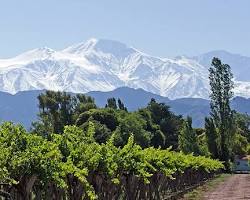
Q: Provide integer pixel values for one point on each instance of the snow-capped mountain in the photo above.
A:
(103, 65)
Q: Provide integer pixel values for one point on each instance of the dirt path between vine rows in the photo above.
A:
(234, 188)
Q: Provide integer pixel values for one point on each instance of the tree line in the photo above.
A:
(154, 125)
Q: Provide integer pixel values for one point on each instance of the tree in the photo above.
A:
(82, 103)
(111, 103)
(240, 145)
(169, 123)
(132, 124)
(203, 146)
(58, 109)
(188, 138)
(121, 105)
(101, 132)
(212, 135)
(103, 115)
(243, 125)
(158, 137)
(221, 84)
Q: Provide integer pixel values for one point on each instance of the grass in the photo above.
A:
(198, 193)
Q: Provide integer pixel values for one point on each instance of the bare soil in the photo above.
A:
(235, 187)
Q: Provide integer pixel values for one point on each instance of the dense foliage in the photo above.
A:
(72, 165)
(154, 125)
(188, 140)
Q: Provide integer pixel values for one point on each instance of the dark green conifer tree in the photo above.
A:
(121, 105)
(111, 103)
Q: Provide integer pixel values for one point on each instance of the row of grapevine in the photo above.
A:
(73, 166)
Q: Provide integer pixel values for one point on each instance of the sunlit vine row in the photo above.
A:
(73, 166)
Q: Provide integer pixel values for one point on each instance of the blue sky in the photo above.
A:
(158, 27)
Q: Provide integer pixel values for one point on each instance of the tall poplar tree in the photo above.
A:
(221, 83)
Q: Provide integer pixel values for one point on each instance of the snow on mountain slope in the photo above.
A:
(103, 65)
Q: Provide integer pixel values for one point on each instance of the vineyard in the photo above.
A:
(74, 166)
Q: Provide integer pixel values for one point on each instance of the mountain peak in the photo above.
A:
(45, 49)
(113, 47)
(82, 47)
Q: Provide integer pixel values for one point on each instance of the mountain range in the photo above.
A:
(104, 65)
(23, 106)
